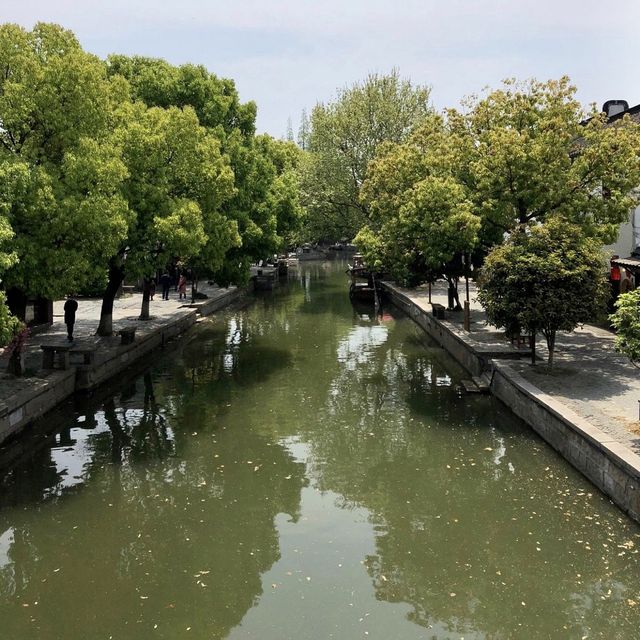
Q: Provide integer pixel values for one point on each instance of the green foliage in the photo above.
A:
(249, 199)
(9, 326)
(345, 136)
(178, 180)
(545, 278)
(626, 321)
(60, 170)
(529, 156)
(421, 214)
(159, 84)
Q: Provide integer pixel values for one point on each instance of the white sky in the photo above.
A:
(289, 54)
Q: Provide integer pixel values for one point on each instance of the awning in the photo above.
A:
(633, 264)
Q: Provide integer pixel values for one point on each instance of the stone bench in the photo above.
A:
(438, 310)
(127, 335)
(49, 353)
(87, 353)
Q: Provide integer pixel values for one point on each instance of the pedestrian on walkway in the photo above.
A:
(70, 308)
(182, 287)
(152, 288)
(165, 281)
(614, 278)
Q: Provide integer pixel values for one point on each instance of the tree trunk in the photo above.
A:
(533, 347)
(119, 438)
(194, 286)
(116, 276)
(146, 296)
(551, 345)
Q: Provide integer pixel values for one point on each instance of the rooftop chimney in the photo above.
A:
(614, 107)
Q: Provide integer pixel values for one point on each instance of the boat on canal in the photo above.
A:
(362, 286)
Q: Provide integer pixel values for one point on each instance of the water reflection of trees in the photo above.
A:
(458, 516)
(183, 478)
(168, 528)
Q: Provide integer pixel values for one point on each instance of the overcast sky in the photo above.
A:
(289, 54)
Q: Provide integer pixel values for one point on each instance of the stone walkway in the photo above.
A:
(125, 314)
(599, 384)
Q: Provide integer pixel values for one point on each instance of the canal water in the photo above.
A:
(301, 469)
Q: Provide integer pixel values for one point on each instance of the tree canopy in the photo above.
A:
(344, 137)
(60, 168)
(533, 152)
(626, 322)
(544, 279)
(420, 214)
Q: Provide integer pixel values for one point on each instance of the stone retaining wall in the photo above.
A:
(45, 393)
(90, 376)
(609, 465)
(445, 336)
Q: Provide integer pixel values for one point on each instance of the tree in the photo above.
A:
(266, 204)
(160, 84)
(177, 181)
(8, 324)
(545, 278)
(345, 136)
(626, 322)
(253, 233)
(532, 154)
(60, 167)
(304, 131)
(420, 214)
(289, 137)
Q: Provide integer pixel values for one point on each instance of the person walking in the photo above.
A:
(165, 281)
(70, 308)
(182, 287)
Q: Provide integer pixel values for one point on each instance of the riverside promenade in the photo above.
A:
(26, 398)
(586, 407)
(588, 375)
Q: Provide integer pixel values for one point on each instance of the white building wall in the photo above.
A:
(628, 237)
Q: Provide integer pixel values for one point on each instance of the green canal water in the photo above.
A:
(300, 469)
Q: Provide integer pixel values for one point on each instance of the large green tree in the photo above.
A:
(345, 136)
(177, 181)
(60, 166)
(8, 324)
(533, 152)
(264, 200)
(544, 279)
(421, 214)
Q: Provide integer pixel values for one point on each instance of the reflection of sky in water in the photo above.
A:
(71, 456)
(6, 540)
(232, 341)
(75, 449)
(356, 348)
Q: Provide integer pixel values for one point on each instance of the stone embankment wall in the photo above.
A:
(611, 466)
(44, 394)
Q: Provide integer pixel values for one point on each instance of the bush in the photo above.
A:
(626, 321)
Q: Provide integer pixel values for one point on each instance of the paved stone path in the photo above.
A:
(125, 313)
(589, 376)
